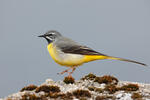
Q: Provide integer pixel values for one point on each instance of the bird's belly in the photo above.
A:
(70, 59)
(65, 59)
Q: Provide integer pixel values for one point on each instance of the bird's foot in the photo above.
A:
(69, 73)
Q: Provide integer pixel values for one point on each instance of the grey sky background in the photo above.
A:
(114, 27)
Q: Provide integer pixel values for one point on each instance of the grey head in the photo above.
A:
(51, 36)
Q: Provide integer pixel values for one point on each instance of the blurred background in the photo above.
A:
(114, 27)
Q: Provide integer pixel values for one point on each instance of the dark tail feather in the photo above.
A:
(127, 60)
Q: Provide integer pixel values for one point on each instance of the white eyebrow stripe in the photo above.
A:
(53, 33)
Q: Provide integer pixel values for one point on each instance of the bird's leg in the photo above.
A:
(73, 69)
(64, 71)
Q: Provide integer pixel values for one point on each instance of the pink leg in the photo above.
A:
(64, 71)
(73, 69)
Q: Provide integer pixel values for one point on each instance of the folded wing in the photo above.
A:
(77, 49)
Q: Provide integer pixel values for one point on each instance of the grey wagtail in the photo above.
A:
(69, 53)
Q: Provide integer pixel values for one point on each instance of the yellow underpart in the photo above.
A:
(71, 59)
(52, 52)
(89, 58)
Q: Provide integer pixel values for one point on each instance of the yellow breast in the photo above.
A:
(52, 51)
(65, 59)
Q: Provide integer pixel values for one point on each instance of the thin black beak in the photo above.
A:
(41, 36)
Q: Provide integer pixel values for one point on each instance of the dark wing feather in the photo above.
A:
(77, 49)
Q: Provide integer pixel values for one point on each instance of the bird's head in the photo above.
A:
(51, 36)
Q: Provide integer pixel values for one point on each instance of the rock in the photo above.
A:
(90, 87)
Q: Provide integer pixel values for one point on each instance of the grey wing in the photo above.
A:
(78, 49)
(69, 46)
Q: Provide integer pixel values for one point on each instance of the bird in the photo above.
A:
(71, 54)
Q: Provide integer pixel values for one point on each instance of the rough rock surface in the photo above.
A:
(90, 87)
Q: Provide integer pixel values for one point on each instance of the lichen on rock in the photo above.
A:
(90, 87)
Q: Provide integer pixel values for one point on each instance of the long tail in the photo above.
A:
(127, 60)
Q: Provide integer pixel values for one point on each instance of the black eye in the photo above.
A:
(50, 35)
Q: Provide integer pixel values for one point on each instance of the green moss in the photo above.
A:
(29, 88)
(136, 96)
(107, 79)
(90, 76)
(48, 89)
(130, 87)
(81, 93)
(69, 80)
(111, 88)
